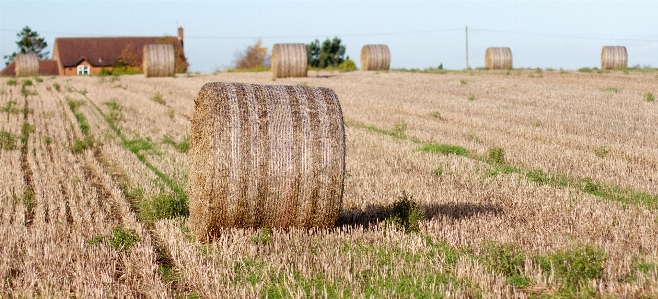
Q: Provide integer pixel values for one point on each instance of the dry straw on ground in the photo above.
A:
(375, 58)
(499, 58)
(265, 156)
(614, 57)
(159, 60)
(27, 65)
(289, 60)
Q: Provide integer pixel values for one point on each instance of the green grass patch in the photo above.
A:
(248, 70)
(601, 152)
(10, 108)
(141, 146)
(26, 130)
(263, 237)
(11, 82)
(585, 70)
(122, 239)
(57, 86)
(648, 97)
(163, 206)
(158, 98)
(168, 274)
(496, 155)
(574, 267)
(81, 145)
(38, 79)
(507, 260)
(436, 114)
(26, 92)
(445, 149)
(181, 147)
(471, 97)
(27, 82)
(611, 89)
(437, 171)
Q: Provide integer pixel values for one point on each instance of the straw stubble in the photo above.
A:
(265, 156)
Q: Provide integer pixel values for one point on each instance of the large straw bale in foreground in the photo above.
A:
(498, 58)
(614, 57)
(27, 65)
(265, 156)
(159, 60)
(375, 58)
(289, 60)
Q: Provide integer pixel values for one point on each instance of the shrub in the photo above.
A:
(406, 214)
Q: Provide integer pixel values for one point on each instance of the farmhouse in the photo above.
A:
(91, 55)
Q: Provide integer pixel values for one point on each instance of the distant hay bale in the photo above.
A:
(375, 58)
(289, 60)
(498, 58)
(614, 57)
(27, 65)
(159, 60)
(265, 156)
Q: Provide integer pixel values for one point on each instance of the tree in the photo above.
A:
(28, 42)
(255, 56)
(331, 53)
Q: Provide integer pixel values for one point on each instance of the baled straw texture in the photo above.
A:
(375, 58)
(498, 58)
(27, 64)
(265, 156)
(289, 60)
(614, 57)
(159, 60)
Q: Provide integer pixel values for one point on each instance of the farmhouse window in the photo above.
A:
(83, 70)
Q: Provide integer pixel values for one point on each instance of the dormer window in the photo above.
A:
(83, 70)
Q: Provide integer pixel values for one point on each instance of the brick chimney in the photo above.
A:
(180, 35)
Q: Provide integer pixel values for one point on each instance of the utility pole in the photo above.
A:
(467, 48)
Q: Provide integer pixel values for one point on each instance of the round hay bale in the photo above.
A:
(289, 60)
(499, 58)
(265, 156)
(27, 65)
(614, 57)
(375, 58)
(159, 60)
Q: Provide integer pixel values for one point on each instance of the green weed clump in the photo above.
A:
(158, 99)
(163, 206)
(585, 70)
(56, 86)
(612, 89)
(406, 214)
(27, 82)
(122, 239)
(445, 149)
(649, 97)
(472, 97)
(574, 267)
(263, 237)
(181, 147)
(81, 145)
(7, 140)
(601, 152)
(11, 82)
(506, 259)
(436, 115)
(496, 155)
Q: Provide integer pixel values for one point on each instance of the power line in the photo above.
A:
(566, 36)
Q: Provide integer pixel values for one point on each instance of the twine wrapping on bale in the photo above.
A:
(265, 156)
(159, 60)
(375, 58)
(289, 60)
(614, 57)
(498, 58)
(27, 65)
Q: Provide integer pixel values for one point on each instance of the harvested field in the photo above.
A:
(530, 183)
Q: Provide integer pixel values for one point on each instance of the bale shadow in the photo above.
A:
(451, 211)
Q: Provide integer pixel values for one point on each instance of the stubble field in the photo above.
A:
(533, 184)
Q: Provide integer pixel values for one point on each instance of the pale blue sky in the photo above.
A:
(566, 34)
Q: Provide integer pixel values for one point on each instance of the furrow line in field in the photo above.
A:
(163, 256)
(495, 159)
(26, 129)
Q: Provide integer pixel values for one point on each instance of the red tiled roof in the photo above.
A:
(103, 51)
(46, 68)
